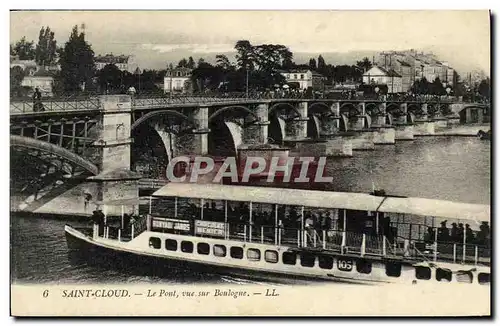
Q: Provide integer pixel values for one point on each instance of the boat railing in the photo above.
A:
(343, 242)
(450, 252)
(121, 234)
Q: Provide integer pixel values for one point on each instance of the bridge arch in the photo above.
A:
(394, 109)
(373, 109)
(276, 105)
(345, 104)
(324, 106)
(43, 146)
(150, 115)
(230, 108)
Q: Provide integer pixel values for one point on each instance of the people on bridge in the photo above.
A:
(37, 101)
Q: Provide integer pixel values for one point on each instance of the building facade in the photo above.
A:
(380, 76)
(122, 62)
(39, 78)
(177, 80)
(304, 79)
(413, 65)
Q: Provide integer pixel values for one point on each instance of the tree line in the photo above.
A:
(258, 66)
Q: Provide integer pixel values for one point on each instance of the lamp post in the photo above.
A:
(246, 68)
(171, 72)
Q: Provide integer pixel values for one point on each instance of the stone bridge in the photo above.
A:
(93, 138)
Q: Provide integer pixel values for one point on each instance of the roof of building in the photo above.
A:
(404, 63)
(386, 72)
(295, 71)
(184, 69)
(42, 72)
(110, 58)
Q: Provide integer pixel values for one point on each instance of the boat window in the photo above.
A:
(325, 262)
(483, 278)
(393, 269)
(464, 277)
(171, 244)
(219, 250)
(154, 243)
(271, 256)
(253, 254)
(187, 246)
(203, 248)
(289, 258)
(443, 275)
(307, 259)
(236, 252)
(422, 273)
(364, 266)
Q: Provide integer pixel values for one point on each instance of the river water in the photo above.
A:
(451, 168)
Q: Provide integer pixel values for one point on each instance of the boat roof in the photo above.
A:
(268, 195)
(437, 208)
(328, 199)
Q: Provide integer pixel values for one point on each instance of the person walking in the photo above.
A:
(37, 101)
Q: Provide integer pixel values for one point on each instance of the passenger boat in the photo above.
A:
(303, 234)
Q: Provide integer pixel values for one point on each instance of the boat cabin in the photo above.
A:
(346, 223)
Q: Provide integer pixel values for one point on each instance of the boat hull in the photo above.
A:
(165, 267)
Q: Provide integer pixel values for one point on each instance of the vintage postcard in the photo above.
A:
(250, 163)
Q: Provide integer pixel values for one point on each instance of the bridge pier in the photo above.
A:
(331, 143)
(423, 125)
(383, 134)
(440, 122)
(404, 130)
(115, 180)
(257, 133)
(297, 128)
(359, 134)
(200, 117)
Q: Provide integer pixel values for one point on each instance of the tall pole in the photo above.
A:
(171, 83)
(247, 81)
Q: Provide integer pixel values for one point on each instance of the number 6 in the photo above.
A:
(45, 293)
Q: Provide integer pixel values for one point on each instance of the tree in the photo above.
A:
(245, 55)
(484, 88)
(223, 62)
(421, 86)
(24, 49)
(312, 64)
(321, 65)
(364, 64)
(45, 53)
(182, 63)
(110, 78)
(436, 87)
(77, 62)
(16, 77)
(191, 64)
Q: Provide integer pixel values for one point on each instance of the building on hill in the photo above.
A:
(380, 76)
(122, 62)
(43, 79)
(177, 80)
(413, 65)
(303, 79)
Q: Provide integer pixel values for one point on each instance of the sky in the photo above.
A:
(156, 38)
